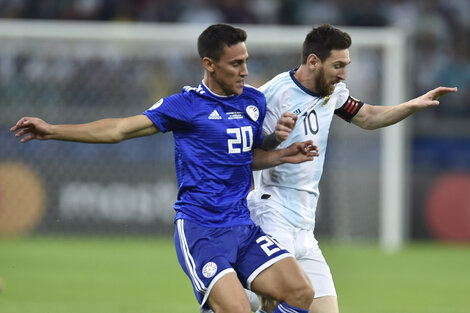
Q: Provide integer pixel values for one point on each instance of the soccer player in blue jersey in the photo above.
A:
(217, 129)
(284, 200)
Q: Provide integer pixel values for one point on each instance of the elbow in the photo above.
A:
(367, 124)
(117, 135)
(109, 138)
(116, 139)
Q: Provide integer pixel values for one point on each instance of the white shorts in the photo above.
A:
(303, 245)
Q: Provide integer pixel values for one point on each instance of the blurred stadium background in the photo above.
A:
(110, 193)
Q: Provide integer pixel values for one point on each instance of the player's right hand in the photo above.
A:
(299, 152)
(31, 128)
(284, 126)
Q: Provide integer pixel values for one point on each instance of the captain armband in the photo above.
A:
(349, 109)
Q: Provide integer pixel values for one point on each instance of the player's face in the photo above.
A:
(331, 71)
(230, 71)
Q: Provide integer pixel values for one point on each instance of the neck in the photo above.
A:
(305, 77)
(213, 86)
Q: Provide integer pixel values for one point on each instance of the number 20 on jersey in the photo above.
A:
(243, 141)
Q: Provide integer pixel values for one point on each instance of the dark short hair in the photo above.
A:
(322, 39)
(212, 41)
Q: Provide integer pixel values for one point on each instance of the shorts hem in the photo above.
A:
(265, 266)
(213, 281)
(321, 295)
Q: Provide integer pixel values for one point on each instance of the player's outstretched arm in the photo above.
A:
(297, 152)
(110, 130)
(373, 116)
(284, 127)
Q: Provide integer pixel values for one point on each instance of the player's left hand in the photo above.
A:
(431, 98)
(284, 126)
(299, 152)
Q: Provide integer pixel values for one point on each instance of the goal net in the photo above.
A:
(74, 72)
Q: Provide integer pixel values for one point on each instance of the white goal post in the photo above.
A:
(392, 42)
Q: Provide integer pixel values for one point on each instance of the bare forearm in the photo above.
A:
(265, 159)
(101, 131)
(297, 152)
(110, 130)
(374, 117)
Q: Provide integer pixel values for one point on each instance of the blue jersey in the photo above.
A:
(214, 137)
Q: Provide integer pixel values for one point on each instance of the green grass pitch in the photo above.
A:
(141, 274)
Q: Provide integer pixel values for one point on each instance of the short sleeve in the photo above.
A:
(262, 117)
(170, 113)
(274, 111)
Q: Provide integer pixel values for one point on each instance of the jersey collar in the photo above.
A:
(214, 94)
(308, 91)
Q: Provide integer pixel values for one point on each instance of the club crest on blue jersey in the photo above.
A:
(209, 269)
(252, 112)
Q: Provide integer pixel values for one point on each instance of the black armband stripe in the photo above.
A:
(349, 109)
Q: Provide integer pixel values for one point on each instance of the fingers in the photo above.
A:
(21, 132)
(440, 91)
(27, 138)
(288, 119)
(308, 148)
(291, 116)
(27, 127)
(311, 149)
(285, 125)
(18, 124)
(299, 152)
(22, 123)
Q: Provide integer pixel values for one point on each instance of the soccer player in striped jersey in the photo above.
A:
(217, 129)
(285, 198)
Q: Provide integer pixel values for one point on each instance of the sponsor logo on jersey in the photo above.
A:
(235, 115)
(297, 112)
(214, 115)
(156, 105)
(252, 112)
(209, 269)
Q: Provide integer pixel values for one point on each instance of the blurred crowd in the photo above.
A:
(72, 83)
(407, 13)
(439, 29)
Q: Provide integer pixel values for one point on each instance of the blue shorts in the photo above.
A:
(206, 254)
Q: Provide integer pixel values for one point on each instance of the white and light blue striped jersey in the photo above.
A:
(293, 188)
(214, 137)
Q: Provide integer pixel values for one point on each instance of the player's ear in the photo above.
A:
(208, 64)
(313, 60)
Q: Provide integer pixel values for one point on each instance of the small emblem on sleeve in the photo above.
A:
(156, 105)
(252, 112)
(209, 269)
